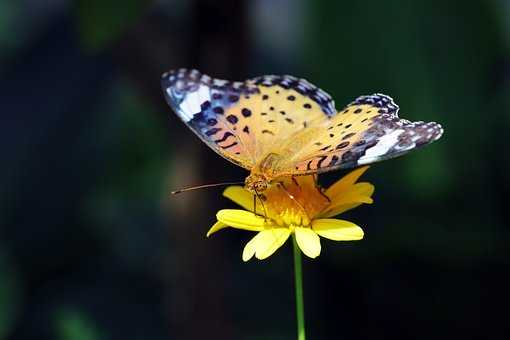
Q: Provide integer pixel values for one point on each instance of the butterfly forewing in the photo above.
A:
(203, 104)
(244, 121)
(284, 106)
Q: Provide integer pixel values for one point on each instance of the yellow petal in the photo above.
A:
(337, 210)
(364, 188)
(216, 226)
(308, 241)
(265, 243)
(241, 219)
(250, 248)
(307, 181)
(358, 189)
(354, 196)
(270, 241)
(239, 195)
(345, 182)
(337, 230)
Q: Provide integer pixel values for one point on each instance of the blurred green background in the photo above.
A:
(92, 246)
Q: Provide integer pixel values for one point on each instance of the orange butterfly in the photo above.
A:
(277, 126)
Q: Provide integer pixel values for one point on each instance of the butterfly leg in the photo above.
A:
(257, 195)
(255, 204)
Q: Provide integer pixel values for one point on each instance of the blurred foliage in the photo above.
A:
(272, 336)
(136, 161)
(137, 145)
(7, 17)
(89, 250)
(10, 296)
(100, 22)
(71, 324)
(422, 63)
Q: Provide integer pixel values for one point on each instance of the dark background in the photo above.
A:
(92, 246)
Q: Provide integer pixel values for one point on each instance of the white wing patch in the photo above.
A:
(384, 144)
(190, 104)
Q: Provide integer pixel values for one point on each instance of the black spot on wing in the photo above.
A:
(384, 103)
(218, 110)
(309, 165)
(347, 136)
(342, 145)
(212, 131)
(224, 138)
(301, 86)
(230, 145)
(246, 112)
(232, 119)
(321, 160)
(205, 105)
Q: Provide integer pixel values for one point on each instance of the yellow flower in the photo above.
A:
(296, 205)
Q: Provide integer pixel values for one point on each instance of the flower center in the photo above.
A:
(293, 202)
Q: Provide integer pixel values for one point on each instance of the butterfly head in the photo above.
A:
(256, 183)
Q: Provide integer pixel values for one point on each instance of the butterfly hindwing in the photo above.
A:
(366, 131)
(242, 121)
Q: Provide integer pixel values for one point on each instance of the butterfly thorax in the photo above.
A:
(262, 173)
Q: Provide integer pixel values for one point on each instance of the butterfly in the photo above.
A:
(280, 126)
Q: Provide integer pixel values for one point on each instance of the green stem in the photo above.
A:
(298, 278)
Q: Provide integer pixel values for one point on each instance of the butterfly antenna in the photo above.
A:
(204, 186)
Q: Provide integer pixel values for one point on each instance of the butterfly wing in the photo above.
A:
(243, 121)
(366, 131)
(201, 102)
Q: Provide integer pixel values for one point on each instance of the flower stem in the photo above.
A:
(298, 279)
